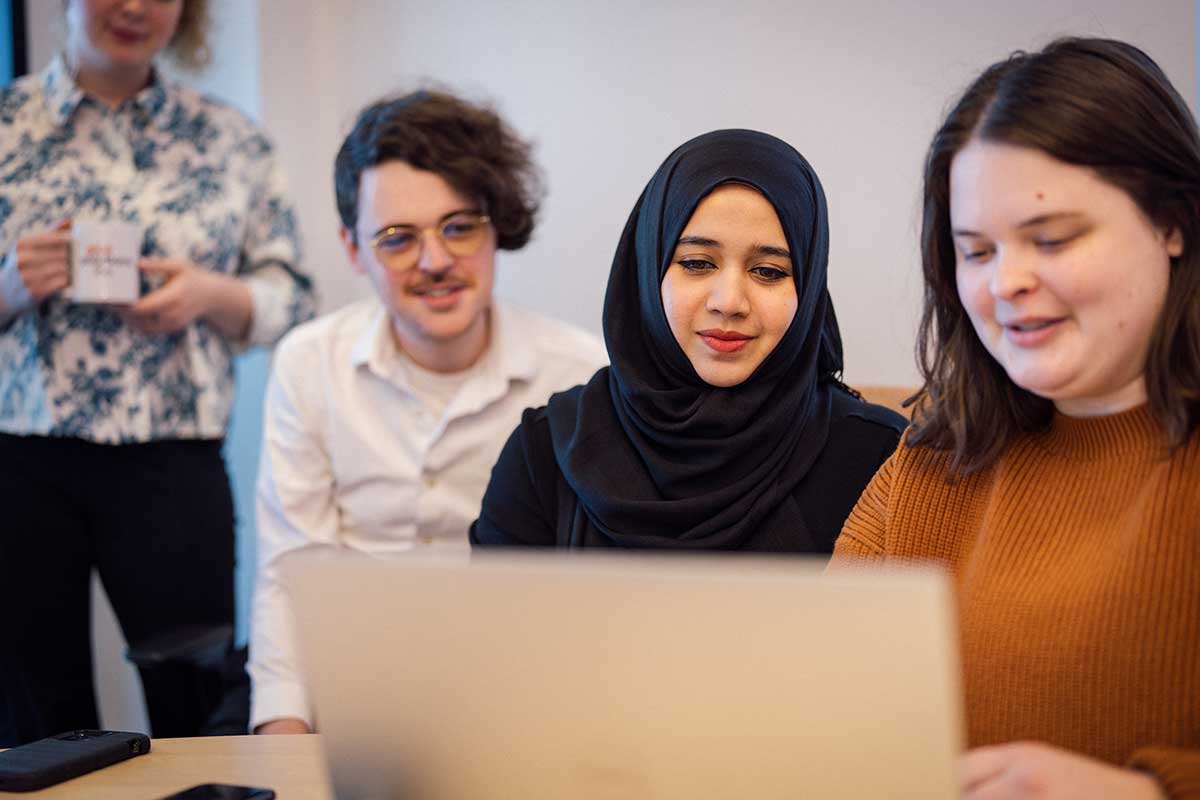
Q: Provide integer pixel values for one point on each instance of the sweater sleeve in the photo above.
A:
(863, 538)
(513, 512)
(1177, 769)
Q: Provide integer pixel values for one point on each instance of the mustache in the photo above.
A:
(438, 280)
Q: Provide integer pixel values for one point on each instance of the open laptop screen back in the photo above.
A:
(543, 676)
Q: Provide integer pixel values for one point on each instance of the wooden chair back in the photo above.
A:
(889, 396)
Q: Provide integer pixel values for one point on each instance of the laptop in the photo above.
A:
(545, 675)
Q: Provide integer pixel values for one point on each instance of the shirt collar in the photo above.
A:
(63, 95)
(513, 355)
(375, 347)
(517, 353)
(151, 101)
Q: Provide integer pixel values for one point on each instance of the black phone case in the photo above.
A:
(222, 791)
(49, 761)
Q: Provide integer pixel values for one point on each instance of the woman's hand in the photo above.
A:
(287, 725)
(43, 261)
(190, 292)
(1034, 770)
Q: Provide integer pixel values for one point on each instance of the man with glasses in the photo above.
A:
(384, 419)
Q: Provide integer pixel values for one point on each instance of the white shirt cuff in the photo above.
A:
(271, 290)
(283, 700)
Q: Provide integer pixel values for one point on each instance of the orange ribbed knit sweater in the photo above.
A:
(1076, 559)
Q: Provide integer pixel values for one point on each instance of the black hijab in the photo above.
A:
(656, 456)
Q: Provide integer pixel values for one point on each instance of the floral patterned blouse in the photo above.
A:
(201, 181)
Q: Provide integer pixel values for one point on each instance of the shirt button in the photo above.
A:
(430, 482)
(424, 538)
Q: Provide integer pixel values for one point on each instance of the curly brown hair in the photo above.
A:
(1095, 103)
(469, 146)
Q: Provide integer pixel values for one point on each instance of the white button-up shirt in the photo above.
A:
(351, 457)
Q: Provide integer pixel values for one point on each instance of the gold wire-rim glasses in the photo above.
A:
(460, 232)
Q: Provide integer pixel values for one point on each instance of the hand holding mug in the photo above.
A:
(186, 295)
(43, 261)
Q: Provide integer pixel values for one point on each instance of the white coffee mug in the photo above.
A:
(104, 262)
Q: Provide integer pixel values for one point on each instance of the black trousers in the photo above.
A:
(156, 520)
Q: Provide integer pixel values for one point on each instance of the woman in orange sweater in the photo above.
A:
(1053, 464)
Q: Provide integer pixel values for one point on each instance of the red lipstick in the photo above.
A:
(724, 341)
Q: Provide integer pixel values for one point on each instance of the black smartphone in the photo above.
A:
(222, 791)
(49, 761)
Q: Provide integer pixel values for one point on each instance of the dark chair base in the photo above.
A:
(195, 682)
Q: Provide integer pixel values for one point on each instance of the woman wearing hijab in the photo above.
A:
(721, 423)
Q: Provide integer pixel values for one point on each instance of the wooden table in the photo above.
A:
(291, 765)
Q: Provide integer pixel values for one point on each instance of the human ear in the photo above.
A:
(350, 243)
(1174, 242)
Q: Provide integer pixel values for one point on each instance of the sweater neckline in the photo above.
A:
(1091, 438)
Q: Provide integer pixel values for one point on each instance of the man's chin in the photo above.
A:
(448, 326)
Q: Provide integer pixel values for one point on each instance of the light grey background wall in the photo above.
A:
(607, 90)
(42, 22)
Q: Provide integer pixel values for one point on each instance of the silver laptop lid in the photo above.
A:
(548, 676)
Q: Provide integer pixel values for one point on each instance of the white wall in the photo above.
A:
(42, 24)
(608, 89)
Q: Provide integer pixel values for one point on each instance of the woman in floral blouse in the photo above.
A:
(112, 417)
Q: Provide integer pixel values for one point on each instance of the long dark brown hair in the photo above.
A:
(1095, 103)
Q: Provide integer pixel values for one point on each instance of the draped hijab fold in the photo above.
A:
(656, 456)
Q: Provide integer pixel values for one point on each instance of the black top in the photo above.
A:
(657, 456)
(529, 502)
(650, 455)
